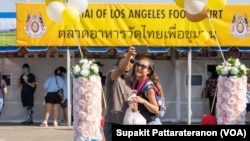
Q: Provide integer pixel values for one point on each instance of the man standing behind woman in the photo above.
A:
(148, 86)
(211, 87)
(64, 105)
(118, 88)
(52, 101)
(3, 91)
(28, 83)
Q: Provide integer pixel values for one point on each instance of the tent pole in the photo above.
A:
(189, 86)
(68, 88)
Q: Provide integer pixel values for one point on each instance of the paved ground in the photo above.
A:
(18, 132)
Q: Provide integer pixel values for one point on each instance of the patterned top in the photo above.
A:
(211, 85)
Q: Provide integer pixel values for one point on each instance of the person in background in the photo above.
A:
(144, 71)
(103, 77)
(211, 87)
(3, 91)
(27, 82)
(64, 105)
(100, 65)
(118, 87)
(51, 86)
(248, 95)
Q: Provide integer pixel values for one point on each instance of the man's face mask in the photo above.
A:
(25, 70)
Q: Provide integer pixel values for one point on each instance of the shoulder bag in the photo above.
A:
(59, 93)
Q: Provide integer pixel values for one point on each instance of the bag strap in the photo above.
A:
(213, 100)
(148, 83)
(104, 99)
(145, 85)
(57, 83)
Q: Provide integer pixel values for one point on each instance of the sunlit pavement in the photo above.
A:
(33, 132)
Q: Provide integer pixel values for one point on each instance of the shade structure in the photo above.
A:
(68, 48)
(5, 49)
(219, 49)
(97, 49)
(121, 49)
(89, 49)
(141, 49)
(189, 66)
(45, 48)
(37, 48)
(223, 49)
(157, 49)
(186, 49)
(244, 49)
(8, 49)
(189, 50)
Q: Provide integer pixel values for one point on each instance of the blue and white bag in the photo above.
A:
(161, 103)
(160, 99)
(248, 96)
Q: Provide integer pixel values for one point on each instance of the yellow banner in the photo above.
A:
(134, 24)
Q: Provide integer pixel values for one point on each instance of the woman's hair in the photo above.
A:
(62, 69)
(214, 74)
(57, 71)
(26, 65)
(153, 76)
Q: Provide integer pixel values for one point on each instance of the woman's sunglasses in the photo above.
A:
(141, 65)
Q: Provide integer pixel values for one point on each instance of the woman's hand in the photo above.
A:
(63, 100)
(132, 51)
(25, 78)
(137, 99)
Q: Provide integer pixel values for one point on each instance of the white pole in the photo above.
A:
(189, 86)
(68, 87)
